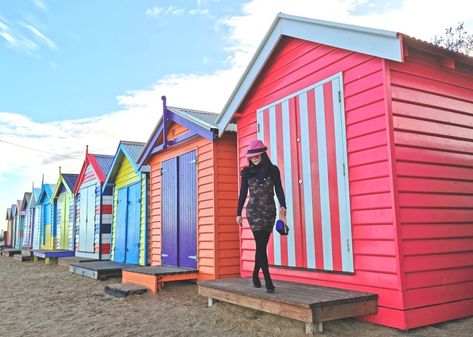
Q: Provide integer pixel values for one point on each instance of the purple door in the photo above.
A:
(169, 212)
(187, 212)
(179, 211)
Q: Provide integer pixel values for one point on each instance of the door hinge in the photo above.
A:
(162, 170)
(339, 96)
(194, 161)
(348, 245)
(258, 128)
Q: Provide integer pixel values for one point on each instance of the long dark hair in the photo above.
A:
(265, 164)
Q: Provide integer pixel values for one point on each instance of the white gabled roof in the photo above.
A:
(376, 42)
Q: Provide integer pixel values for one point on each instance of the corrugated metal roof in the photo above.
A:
(36, 192)
(205, 119)
(439, 49)
(134, 149)
(105, 162)
(26, 200)
(46, 189)
(70, 180)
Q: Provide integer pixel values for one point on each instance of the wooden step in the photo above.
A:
(308, 303)
(124, 290)
(155, 277)
(21, 257)
(98, 270)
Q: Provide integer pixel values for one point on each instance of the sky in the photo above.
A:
(77, 73)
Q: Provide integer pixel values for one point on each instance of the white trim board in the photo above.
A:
(375, 42)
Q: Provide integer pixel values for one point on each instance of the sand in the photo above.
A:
(48, 300)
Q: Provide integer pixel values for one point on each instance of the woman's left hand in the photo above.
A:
(282, 212)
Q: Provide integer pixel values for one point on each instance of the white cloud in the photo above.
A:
(142, 108)
(22, 37)
(171, 10)
(41, 5)
(155, 11)
(6, 33)
(40, 36)
(197, 11)
(175, 11)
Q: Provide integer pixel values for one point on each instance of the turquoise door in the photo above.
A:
(120, 226)
(133, 224)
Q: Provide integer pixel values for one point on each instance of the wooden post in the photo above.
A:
(309, 329)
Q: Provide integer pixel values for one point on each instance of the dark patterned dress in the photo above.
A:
(261, 209)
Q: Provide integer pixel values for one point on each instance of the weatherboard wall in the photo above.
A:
(217, 233)
(432, 119)
(102, 217)
(410, 147)
(294, 65)
(64, 220)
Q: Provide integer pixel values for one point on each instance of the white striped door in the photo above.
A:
(306, 137)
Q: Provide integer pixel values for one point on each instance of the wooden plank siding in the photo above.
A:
(432, 110)
(103, 214)
(294, 65)
(64, 200)
(227, 249)
(217, 249)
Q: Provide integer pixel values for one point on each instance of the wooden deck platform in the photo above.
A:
(22, 258)
(308, 303)
(68, 260)
(10, 252)
(154, 277)
(50, 255)
(27, 252)
(99, 270)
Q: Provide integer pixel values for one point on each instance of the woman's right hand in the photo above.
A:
(239, 220)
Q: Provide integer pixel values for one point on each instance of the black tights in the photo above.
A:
(261, 258)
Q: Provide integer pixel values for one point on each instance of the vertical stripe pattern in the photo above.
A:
(306, 137)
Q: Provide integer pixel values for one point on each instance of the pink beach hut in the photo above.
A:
(372, 131)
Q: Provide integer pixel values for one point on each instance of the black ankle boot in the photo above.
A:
(256, 282)
(270, 290)
(269, 286)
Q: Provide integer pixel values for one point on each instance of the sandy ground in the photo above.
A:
(48, 300)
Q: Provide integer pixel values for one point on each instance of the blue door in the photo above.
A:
(179, 211)
(133, 224)
(169, 212)
(187, 215)
(120, 226)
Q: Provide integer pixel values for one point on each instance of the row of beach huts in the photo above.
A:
(373, 134)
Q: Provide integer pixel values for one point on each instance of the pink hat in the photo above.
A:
(256, 147)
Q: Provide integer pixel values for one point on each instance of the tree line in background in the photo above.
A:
(456, 39)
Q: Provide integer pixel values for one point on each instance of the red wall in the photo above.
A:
(294, 65)
(432, 110)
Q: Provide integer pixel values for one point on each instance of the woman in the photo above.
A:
(262, 178)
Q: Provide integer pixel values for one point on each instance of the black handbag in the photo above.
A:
(281, 227)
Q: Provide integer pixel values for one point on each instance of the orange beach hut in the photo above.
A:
(193, 198)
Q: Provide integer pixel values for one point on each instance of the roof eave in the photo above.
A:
(376, 42)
